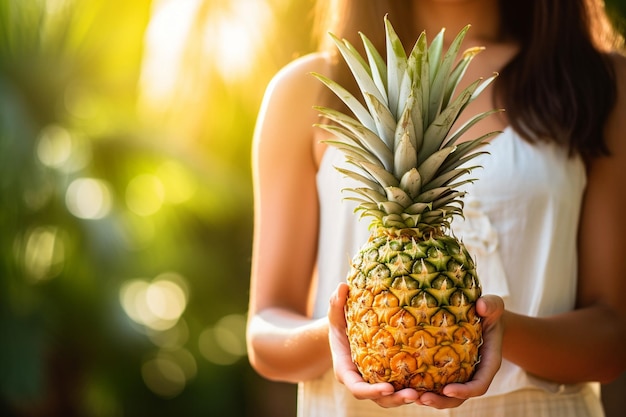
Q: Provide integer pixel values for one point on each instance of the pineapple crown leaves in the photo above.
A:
(398, 141)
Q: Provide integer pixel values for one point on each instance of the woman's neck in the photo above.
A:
(453, 15)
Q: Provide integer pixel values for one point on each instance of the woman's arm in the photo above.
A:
(587, 344)
(283, 342)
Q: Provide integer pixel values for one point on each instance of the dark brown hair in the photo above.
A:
(559, 87)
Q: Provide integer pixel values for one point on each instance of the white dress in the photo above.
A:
(521, 221)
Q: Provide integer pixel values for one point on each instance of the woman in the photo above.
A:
(548, 201)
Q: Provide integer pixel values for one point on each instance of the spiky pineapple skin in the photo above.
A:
(411, 317)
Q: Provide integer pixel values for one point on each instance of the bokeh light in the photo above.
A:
(88, 198)
(55, 146)
(166, 300)
(61, 149)
(43, 253)
(173, 338)
(167, 372)
(156, 304)
(224, 343)
(164, 376)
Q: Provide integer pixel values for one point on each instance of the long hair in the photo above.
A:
(559, 87)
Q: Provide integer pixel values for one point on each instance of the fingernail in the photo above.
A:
(386, 393)
(408, 401)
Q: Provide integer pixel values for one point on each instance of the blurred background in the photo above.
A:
(126, 203)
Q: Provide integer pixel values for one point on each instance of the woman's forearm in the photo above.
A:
(285, 346)
(578, 346)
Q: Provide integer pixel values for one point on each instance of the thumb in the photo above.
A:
(337, 304)
(491, 306)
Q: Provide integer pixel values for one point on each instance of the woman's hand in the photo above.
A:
(490, 308)
(346, 371)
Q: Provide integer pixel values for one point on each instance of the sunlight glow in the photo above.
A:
(236, 35)
(57, 6)
(166, 38)
(228, 41)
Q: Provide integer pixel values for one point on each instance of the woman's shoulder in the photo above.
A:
(287, 115)
(293, 89)
(312, 61)
(293, 92)
(298, 73)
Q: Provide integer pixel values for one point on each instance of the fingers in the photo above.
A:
(381, 393)
(440, 402)
(398, 398)
(476, 387)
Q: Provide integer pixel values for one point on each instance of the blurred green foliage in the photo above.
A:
(126, 215)
(126, 203)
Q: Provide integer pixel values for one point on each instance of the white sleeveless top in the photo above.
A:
(521, 222)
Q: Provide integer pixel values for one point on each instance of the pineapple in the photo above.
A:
(410, 313)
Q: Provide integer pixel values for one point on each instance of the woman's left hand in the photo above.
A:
(490, 308)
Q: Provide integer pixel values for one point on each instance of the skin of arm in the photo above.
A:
(284, 343)
(587, 344)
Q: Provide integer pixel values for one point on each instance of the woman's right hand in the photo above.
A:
(346, 371)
